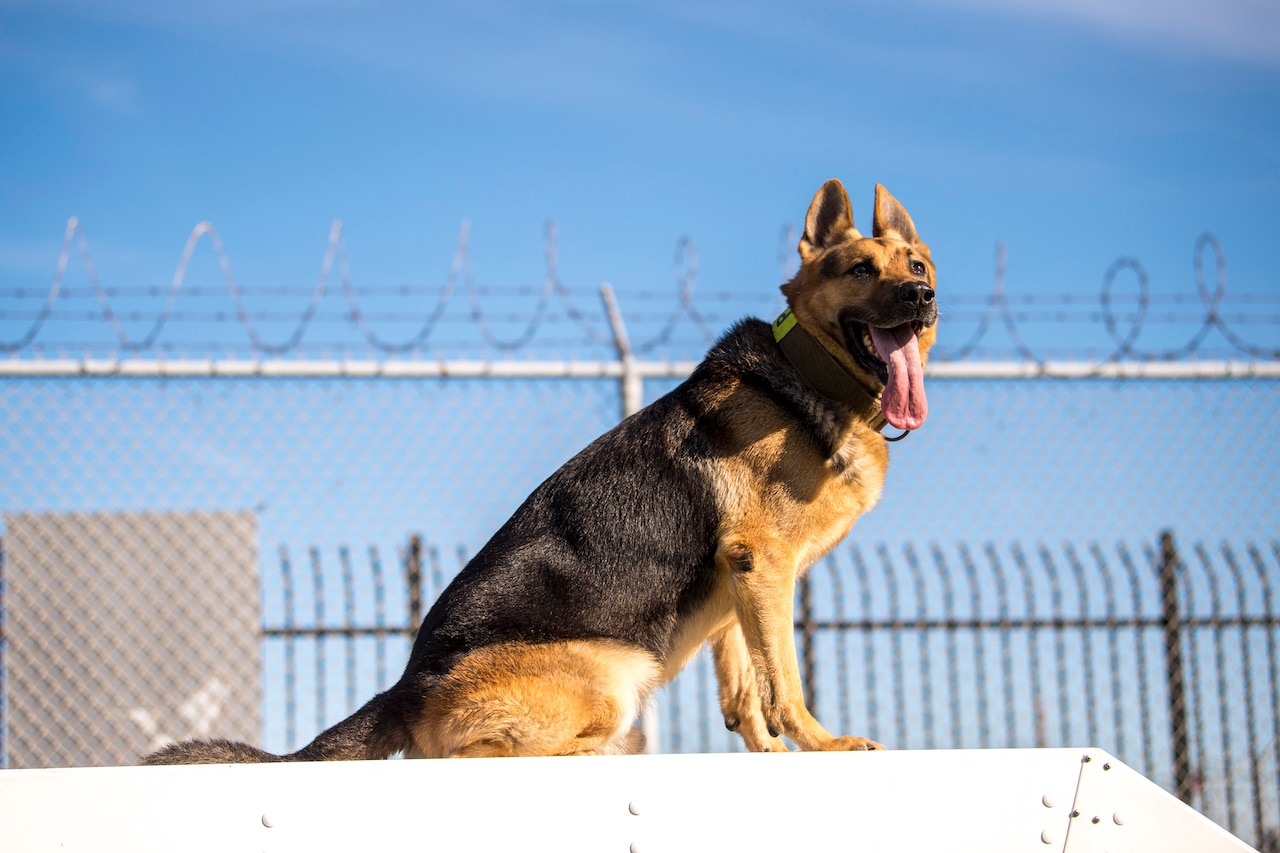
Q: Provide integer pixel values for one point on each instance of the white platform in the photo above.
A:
(1070, 800)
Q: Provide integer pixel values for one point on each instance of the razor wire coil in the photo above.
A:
(1124, 320)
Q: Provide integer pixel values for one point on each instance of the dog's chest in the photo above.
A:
(861, 462)
(817, 525)
(782, 488)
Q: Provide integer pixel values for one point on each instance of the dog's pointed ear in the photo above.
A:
(829, 218)
(892, 219)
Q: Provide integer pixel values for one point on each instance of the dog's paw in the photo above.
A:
(848, 743)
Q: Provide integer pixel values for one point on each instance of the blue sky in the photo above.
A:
(1073, 132)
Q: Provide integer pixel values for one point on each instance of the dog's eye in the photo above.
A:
(917, 268)
(860, 271)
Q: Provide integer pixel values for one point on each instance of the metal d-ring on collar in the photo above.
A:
(827, 375)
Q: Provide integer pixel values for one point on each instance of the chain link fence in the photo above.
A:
(1005, 592)
(123, 630)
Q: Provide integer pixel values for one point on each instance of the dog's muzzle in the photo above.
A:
(919, 295)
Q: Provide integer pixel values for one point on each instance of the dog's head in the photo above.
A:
(869, 300)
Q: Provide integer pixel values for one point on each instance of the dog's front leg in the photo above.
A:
(763, 590)
(739, 696)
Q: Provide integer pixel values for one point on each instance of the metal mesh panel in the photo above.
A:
(126, 631)
(323, 461)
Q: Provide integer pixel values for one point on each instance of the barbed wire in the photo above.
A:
(686, 264)
(1123, 323)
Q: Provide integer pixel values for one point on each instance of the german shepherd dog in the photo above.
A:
(687, 523)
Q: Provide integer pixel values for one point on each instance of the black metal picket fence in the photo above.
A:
(1162, 654)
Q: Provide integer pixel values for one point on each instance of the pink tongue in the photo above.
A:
(903, 401)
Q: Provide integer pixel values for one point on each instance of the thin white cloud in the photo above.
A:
(114, 94)
(1244, 30)
(114, 91)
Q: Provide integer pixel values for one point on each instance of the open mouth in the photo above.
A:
(892, 355)
(860, 342)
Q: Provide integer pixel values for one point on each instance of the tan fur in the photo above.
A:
(739, 695)
(567, 698)
(693, 631)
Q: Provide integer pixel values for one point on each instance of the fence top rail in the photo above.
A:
(566, 369)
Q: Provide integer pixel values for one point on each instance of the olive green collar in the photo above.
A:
(827, 376)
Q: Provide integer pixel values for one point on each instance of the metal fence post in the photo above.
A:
(413, 569)
(808, 666)
(632, 383)
(1171, 622)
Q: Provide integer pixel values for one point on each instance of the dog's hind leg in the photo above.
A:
(739, 697)
(564, 698)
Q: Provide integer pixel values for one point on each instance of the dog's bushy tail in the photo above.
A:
(217, 751)
(378, 730)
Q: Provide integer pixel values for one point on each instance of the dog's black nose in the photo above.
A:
(915, 292)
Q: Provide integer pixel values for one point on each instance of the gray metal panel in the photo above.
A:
(128, 630)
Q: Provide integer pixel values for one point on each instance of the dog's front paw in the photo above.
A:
(848, 743)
